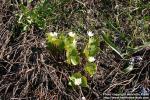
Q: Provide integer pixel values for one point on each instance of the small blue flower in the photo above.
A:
(144, 91)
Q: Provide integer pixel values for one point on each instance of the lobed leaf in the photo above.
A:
(77, 79)
(90, 68)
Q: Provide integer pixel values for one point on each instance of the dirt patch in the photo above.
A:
(28, 70)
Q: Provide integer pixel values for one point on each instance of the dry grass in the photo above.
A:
(30, 71)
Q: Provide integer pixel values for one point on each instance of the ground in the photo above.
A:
(29, 70)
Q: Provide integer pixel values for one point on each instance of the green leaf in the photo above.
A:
(139, 48)
(129, 68)
(24, 9)
(90, 68)
(74, 57)
(69, 42)
(74, 60)
(84, 81)
(86, 51)
(68, 57)
(92, 47)
(30, 1)
(111, 44)
(77, 79)
(71, 50)
(131, 50)
(74, 77)
(55, 40)
(91, 40)
(93, 50)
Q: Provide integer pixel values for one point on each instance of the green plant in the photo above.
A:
(71, 49)
(92, 47)
(37, 16)
(90, 68)
(77, 79)
(130, 50)
(55, 39)
(90, 51)
(68, 43)
(107, 39)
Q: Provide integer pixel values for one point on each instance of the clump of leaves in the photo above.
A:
(37, 16)
(55, 39)
(71, 49)
(77, 79)
(90, 68)
(90, 51)
(130, 50)
(69, 44)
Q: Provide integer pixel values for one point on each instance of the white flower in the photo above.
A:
(53, 34)
(77, 81)
(71, 34)
(90, 33)
(43, 44)
(83, 98)
(91, 59)
(117, 6)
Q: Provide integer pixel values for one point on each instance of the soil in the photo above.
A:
(29, 71)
